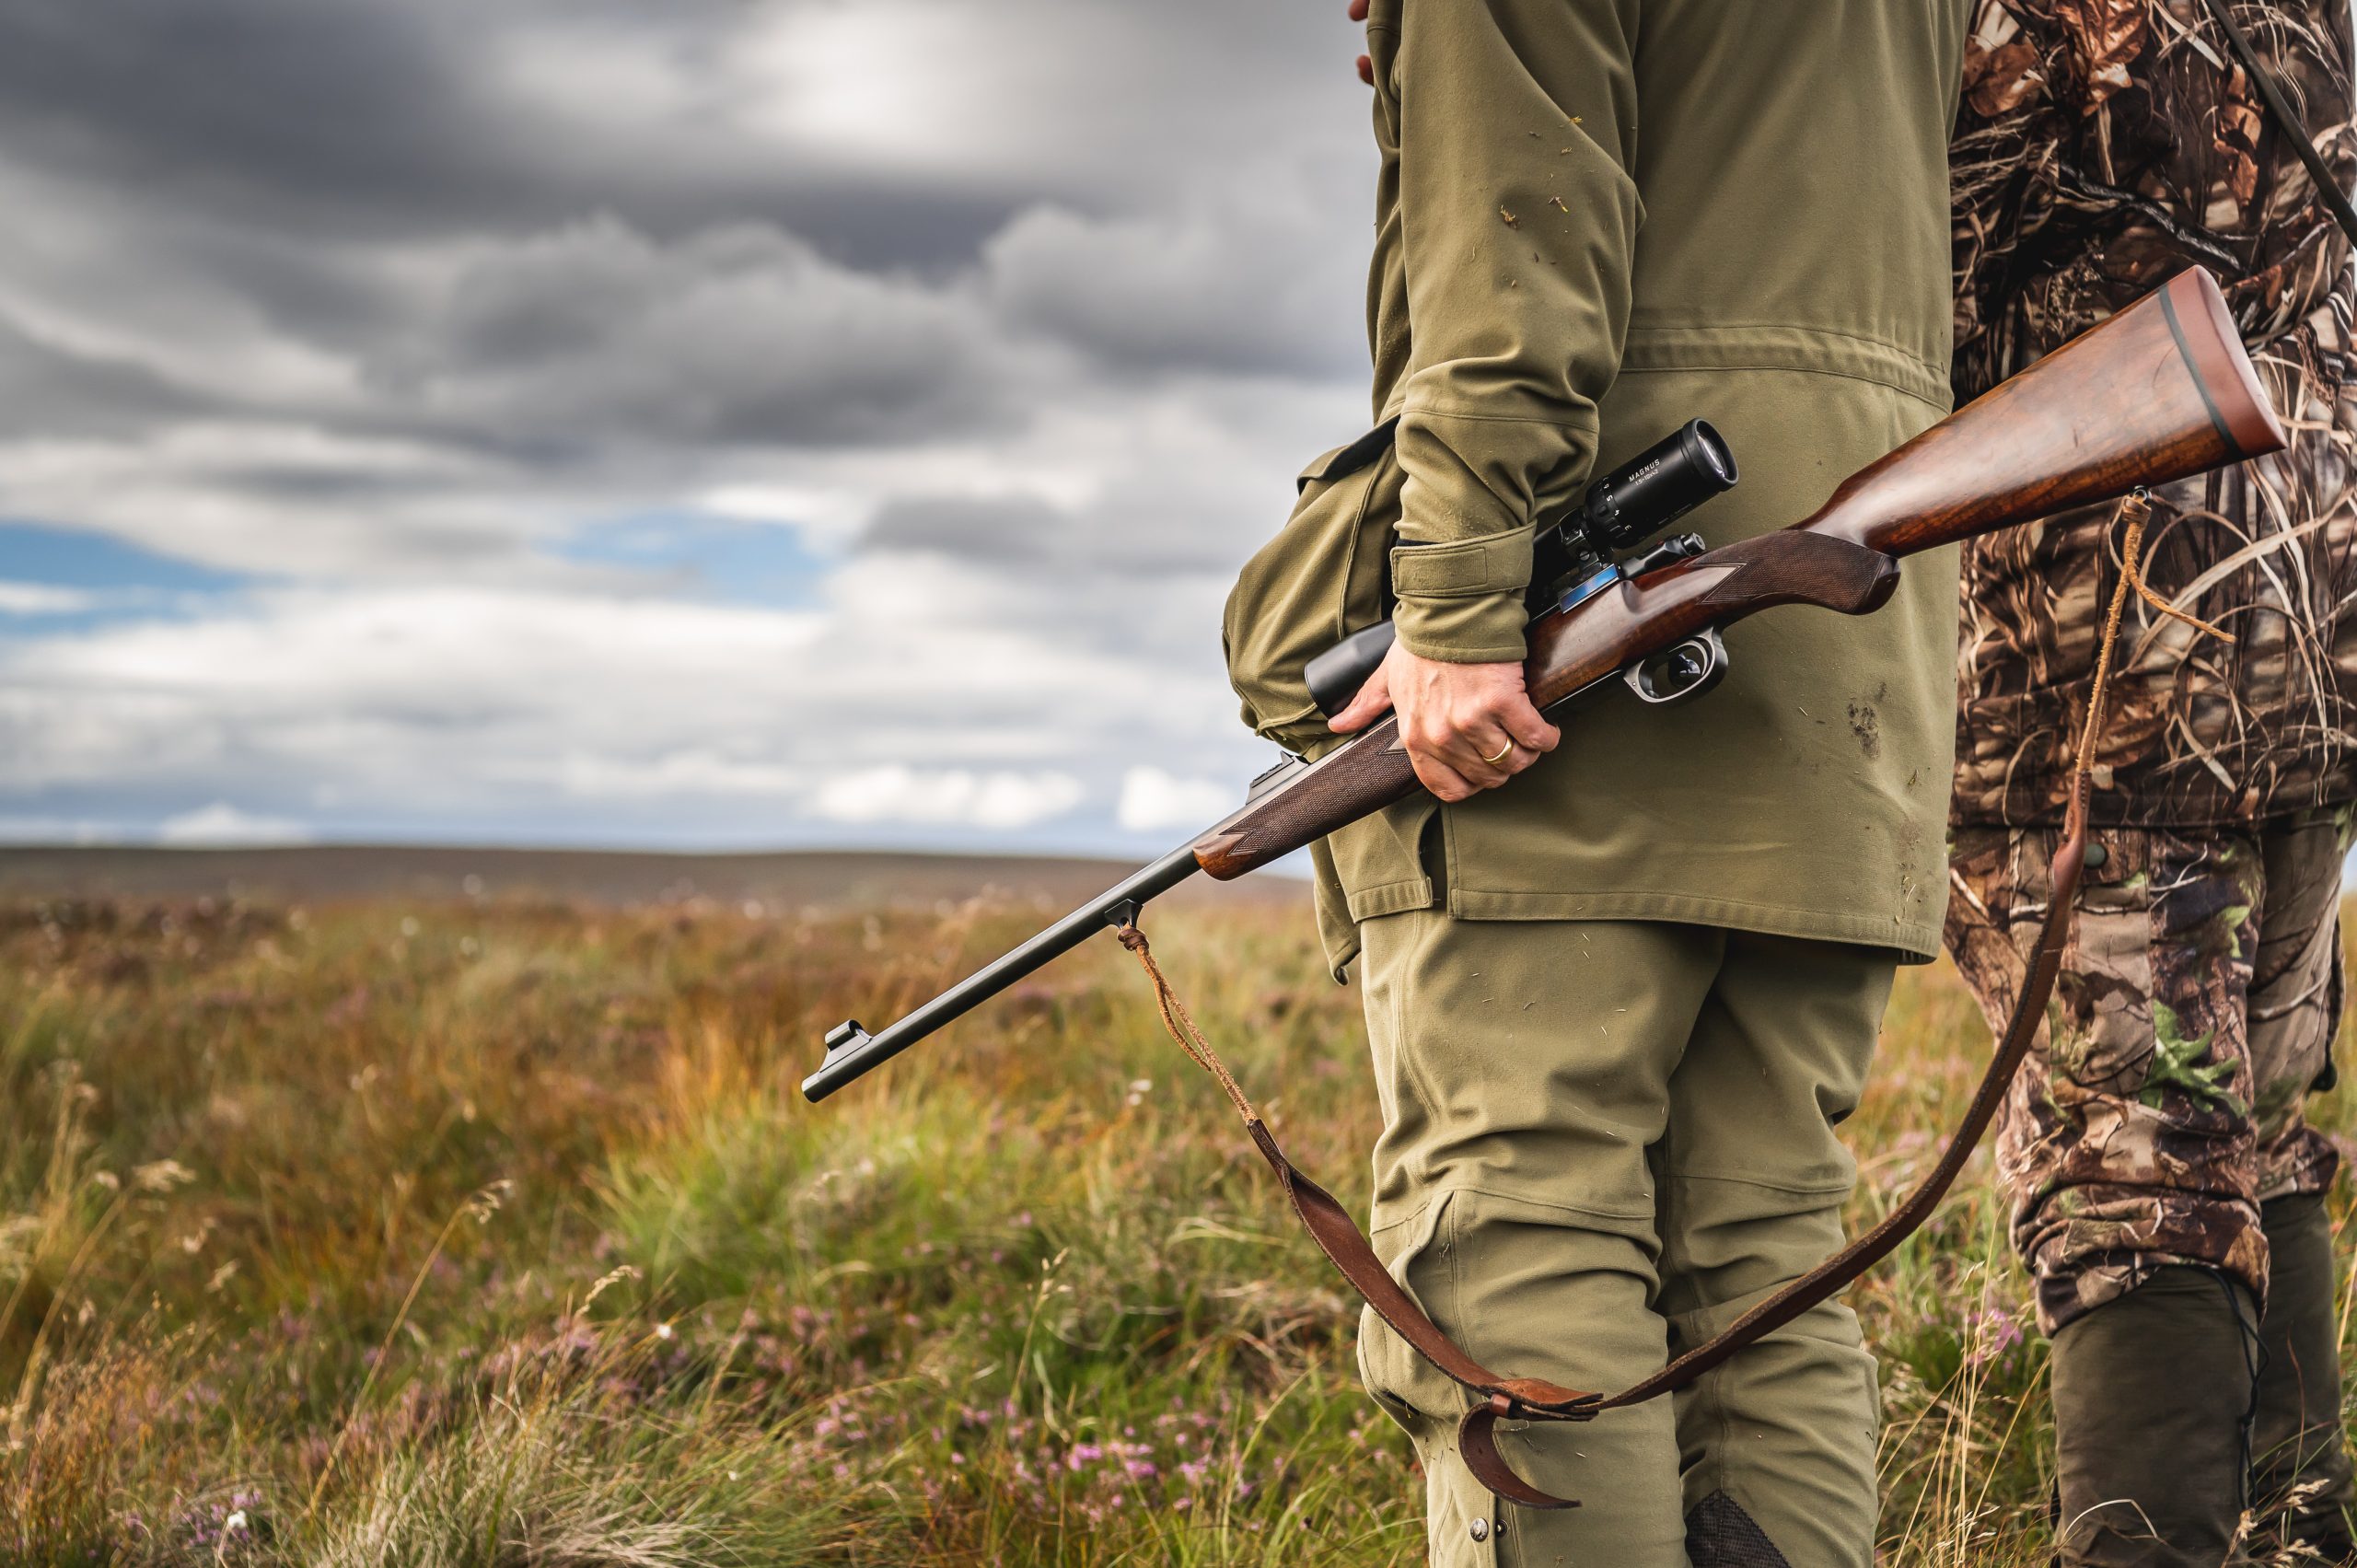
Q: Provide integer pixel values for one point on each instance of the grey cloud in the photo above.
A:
(1007, 532)
(46, 391)
(369, 117)
(1029, 311)
(742, 336)
(1124, 540)
(1248, 285)
(276, 105)
(321, 162)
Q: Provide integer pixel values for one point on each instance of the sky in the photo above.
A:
(722, 425)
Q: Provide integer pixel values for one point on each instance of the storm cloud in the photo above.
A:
(732, 421)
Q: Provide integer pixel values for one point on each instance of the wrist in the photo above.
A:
(1471, 629)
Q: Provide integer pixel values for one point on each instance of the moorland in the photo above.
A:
(448, 1227)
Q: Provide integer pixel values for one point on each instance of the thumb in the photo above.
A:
(1373, 699)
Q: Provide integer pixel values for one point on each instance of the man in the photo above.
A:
(1618, 1009)
(2166, 1194)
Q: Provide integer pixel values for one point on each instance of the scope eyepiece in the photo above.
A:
(1656, 487)
(1633, 503)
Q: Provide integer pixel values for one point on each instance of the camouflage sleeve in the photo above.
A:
(2103, 146)
(2100, 148)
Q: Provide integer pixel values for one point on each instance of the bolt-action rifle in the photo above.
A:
(2162, 390)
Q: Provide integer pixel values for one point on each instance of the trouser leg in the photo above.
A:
(2126, 1144)
(2151, 1392)
(1777, 1446)
(1527, 1070)
(1523, 1069)
(2138, 1143)
(2300, 1484)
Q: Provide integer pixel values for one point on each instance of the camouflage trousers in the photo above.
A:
(2195, 1009)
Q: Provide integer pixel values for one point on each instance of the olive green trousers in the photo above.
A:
(1603, 1142)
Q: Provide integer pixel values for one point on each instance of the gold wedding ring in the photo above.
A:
(1502, 751)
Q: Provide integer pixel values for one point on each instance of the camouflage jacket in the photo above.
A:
(2101, 146)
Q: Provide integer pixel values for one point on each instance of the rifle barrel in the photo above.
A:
(852, 1052)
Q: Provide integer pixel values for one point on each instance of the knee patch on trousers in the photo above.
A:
(1719, 1534)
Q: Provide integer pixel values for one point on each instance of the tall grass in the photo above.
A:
(498, 1235)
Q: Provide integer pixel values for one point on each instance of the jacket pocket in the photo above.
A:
(1323, 576)
(1425, 1402)
(1416, 1395)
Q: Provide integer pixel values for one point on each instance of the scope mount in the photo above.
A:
(1572, 558)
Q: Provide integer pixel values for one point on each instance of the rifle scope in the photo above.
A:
(1574, 558)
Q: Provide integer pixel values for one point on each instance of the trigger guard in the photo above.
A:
(1713, 650)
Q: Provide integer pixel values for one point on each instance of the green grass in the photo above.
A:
(499, 1236)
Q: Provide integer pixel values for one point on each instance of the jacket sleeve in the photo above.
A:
(1516, 124)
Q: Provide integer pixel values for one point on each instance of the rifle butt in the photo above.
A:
(2162, 390)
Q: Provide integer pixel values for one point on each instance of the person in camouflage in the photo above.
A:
(2167, 1192)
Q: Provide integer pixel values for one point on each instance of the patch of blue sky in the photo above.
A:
(703, 554)
(54, 580)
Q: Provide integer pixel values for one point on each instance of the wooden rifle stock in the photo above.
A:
(2159, 391)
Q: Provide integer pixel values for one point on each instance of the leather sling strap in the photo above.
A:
(1530, 1398)
(2287, 124)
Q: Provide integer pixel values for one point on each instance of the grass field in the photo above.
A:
(496, 1233)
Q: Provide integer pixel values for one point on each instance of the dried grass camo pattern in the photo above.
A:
(2102, 146)
(2197, 1007)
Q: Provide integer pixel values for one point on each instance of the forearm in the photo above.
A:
(1515, 124)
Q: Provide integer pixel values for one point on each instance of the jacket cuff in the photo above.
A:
(1493, 564)
(1471, 629)
(1462, 603)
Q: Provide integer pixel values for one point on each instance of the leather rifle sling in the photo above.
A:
(1531, 1399)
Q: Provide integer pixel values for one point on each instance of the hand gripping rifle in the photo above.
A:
(2162, 390)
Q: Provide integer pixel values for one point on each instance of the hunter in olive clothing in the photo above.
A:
(1617, 1008)
(1768, 249)
(2167, 1189)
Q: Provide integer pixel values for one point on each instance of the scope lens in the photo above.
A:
(1711, 452)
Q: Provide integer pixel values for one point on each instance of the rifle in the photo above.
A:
(2162, 390)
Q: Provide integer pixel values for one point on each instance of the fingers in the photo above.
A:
(1374, 700)
(1484, 755)
(1465, 727)
(1450, 763)
(1358, 10)
(1457, 758)
(1529, 729)
(1441, 779)
(1366, 70)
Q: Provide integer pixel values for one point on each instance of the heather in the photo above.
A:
(495, 1232)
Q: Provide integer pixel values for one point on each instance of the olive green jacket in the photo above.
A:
(1598, 219)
